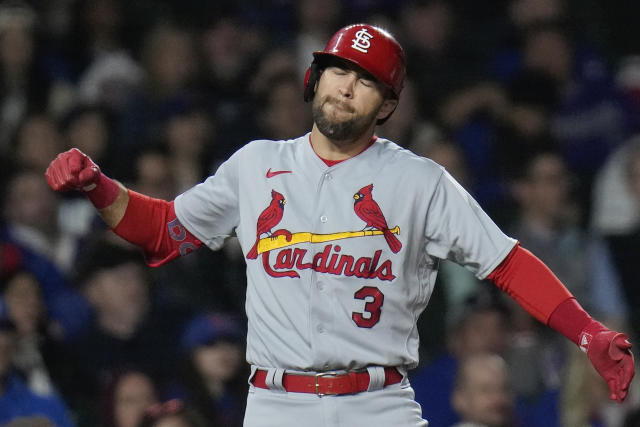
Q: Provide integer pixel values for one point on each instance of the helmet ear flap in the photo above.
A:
(310, 80)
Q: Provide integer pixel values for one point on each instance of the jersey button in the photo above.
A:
(320, 286)
(328, 176)
(324, 218)
(320, 329)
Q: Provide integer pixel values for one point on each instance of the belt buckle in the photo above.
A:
(320, 375)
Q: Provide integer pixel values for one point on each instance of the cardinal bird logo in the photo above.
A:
(269, 218)
(368, 210)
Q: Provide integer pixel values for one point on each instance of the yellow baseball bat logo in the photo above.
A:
(267, 244)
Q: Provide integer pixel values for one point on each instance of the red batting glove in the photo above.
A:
(74, 170)
(609, 352)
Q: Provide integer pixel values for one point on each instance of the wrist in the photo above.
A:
(570, 319)
(103, 192)
(588, 332)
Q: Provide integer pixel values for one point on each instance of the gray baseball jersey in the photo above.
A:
(341, 260)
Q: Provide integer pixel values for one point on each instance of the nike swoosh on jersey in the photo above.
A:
(274, 173)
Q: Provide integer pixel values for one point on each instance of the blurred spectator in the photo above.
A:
(127, 397)
(172, 69)
(35, 356)
(215, 376)
(482, 396)
(274, 62)
(524, 129)
(405, 121)
(473, 115)
(615, 208)
(547, 222)
(38, 141)
(282, 113)
(111, 79)
(231, 49)
(316, 23)
(624, 247)
(16, 399)
(169, 57)
(88, 127)
(628, 78)
(592, 119)
(100, 23)
(592, 116)
(480, 325)
(153, 174)
(128, 328)
(31, 214)
(188, 133)
(24, 86)
(67, 309)
(527, 13)
(441, 63)
(547, 217)
(172, 413)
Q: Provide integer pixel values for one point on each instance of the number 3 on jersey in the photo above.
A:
(373, 306)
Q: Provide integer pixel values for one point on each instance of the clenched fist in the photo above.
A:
(72, 170)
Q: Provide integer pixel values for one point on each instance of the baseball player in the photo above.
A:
(342, 232)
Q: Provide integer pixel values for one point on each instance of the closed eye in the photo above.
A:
(367, 82)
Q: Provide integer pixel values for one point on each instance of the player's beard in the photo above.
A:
(340, 132)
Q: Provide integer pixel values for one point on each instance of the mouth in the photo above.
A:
(342, 106)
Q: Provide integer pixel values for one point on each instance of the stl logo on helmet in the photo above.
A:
(362, 42)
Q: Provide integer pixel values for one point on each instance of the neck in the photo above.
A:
(330, 149)
(122, 327)
(539, 223)
(215, 387)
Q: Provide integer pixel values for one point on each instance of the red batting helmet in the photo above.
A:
(371, 48)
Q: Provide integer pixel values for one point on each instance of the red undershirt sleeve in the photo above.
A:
(153, 225)
(530, 282)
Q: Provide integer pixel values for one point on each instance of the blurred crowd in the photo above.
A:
(533, 105)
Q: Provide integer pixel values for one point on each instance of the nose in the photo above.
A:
(347, 85)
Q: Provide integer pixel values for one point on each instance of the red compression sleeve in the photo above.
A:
(152, 224)
(530, 282)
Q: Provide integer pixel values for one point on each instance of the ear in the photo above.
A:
(388, 107)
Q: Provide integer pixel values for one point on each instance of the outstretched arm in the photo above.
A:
(527, 280)
(149, 223)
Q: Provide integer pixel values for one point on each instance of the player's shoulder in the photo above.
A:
(407, 159)
(265, 146)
